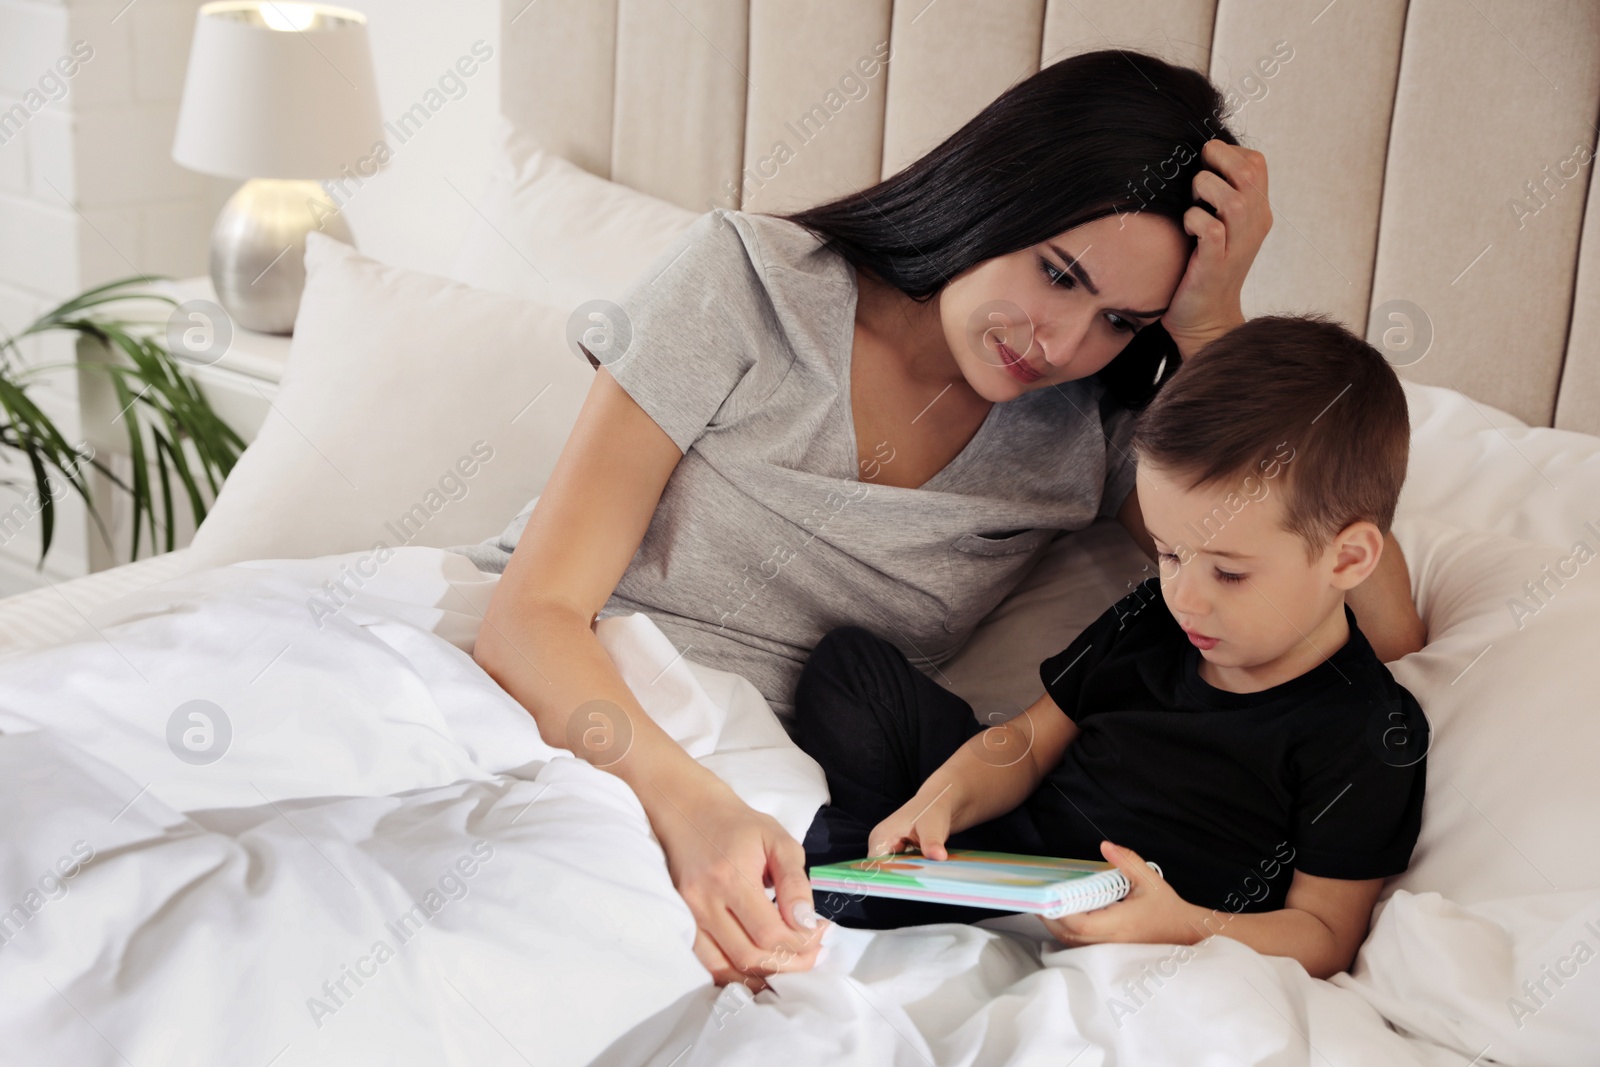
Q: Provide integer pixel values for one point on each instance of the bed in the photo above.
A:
(260, 806)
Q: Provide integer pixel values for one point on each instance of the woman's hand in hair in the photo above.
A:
(1206, 305)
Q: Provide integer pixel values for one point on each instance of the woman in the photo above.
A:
(875, 412)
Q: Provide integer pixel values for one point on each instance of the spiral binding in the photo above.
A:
(1098, 891)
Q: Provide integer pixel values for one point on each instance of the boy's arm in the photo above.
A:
(999, 767)
(991, 774)
(1322, 923)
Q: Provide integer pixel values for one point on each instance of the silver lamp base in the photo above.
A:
(258, 250)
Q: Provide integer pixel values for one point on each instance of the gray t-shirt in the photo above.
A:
(765, 537)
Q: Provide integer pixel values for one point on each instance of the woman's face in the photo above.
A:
(1061, 310)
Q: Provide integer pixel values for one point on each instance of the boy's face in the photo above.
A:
(1240, 584)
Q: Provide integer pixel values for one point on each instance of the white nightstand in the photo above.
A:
(240, 386)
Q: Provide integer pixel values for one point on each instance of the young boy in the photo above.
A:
(1242, 734)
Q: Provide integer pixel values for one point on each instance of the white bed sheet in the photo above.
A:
(232, 911)
(57, 611)
(162, 909)
(256, 906)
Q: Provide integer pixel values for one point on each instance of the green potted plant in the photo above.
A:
(172, 431)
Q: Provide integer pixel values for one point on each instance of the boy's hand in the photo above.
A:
(1151, 913)
(919, 823)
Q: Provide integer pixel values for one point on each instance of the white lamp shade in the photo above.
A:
(297, 101)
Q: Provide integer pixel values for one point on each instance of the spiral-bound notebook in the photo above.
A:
(1041, 885)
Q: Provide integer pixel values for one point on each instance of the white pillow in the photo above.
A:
(549, 230)
(413, 410)
(1504, 885)
(1479, 468)
(1509, 694)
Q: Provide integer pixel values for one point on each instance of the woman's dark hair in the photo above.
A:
(1096, 134)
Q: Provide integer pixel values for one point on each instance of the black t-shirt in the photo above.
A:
(1230, 792)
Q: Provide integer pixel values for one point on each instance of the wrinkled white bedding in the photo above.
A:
(386, 864)
(266, 904)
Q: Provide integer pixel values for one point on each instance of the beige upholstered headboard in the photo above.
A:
(1437, 152)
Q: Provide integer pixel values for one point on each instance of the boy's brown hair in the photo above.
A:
(1304, 381)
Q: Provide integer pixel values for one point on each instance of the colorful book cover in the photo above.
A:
(1042, 885)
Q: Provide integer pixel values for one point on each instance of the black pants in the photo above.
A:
(879, 727)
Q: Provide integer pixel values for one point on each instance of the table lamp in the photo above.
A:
(279, 94)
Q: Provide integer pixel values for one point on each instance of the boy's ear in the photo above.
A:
(1356, 550)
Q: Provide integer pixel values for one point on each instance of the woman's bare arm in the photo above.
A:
(1384, 608)
(538, 644)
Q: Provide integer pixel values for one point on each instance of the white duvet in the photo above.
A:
(237, 830)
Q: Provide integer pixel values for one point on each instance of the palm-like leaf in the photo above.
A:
(169, 423)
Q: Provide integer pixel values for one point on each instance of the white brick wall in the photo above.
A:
(88, 193)
(123, 205)
(33, 31)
